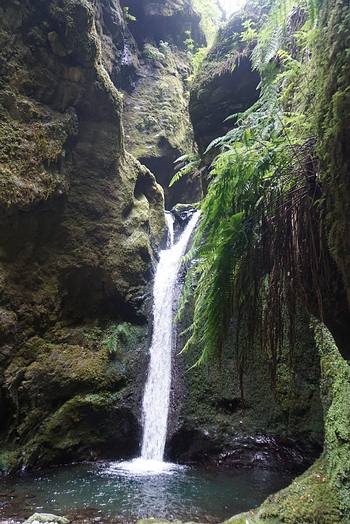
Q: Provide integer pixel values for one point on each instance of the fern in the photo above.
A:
(274, 33)
(193, 162)
(314, 7)
(246, 247)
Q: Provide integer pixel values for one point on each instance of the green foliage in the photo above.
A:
(164, 48)
(211, 16)
(258, 209)
(250, 33)
(127, 15)
(276, 32)
(198, 59)
(192, 164)
(273, 34)
(189, 42)
(118, 338)
(157, 55)
(314, 8)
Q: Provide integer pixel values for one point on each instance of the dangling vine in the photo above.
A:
(261, 205)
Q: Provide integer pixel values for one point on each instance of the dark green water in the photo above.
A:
(104, 491)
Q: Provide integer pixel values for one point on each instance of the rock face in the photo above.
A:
(165, 20)
(254, 421)
(226, 83)
(324, 488)
(81, 220)
(156, 119)
(157, 126)
(333, 108)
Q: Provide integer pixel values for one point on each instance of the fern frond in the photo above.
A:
(190, 167)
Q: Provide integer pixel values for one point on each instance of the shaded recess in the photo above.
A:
(164, 169)
(226, 83)
(161, 20)
(225, 95)
(119, 50)
(194, 446)
(89, 293)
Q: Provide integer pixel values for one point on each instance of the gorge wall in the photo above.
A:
(321, 368)
(81, 224)
(156, 119)
(87, 88)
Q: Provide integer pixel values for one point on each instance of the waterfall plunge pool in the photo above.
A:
(111, 492)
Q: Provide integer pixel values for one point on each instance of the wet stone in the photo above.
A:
(46, 518)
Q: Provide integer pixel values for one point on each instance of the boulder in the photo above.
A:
(46, 518)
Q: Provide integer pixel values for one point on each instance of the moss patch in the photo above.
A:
(156, 112)
(85, 427)
(8, 459)
(289, 409)
(333, 108)
(322, 494)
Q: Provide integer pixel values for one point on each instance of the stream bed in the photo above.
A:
(106, 492)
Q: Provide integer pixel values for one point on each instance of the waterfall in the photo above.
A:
(157, 390)
(169, 219)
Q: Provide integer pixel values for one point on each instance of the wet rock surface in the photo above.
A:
(212, 424)
(46, 518)
(226, 84)
(78, 239)
(196, 447)
(156, 119)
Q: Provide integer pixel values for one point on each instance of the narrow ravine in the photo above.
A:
(183, 366)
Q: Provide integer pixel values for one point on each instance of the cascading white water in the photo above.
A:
(157, 390)
(169, 219)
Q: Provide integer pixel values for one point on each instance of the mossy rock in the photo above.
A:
(58, 371)
(157, 125)
(225, 84)
(156, 114)
(332, 119)
(310, 498)
(82, 222)
(288, 411)
(8, 460)
(85, 427)
(322, 494)
(77, 400)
